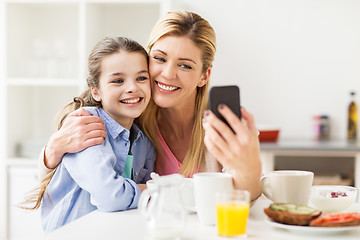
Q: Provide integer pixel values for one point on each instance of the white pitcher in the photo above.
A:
(163, 207)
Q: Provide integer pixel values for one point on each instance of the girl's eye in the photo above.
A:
(142, 78)
(185, 66)
(160, 59)
(118, 81)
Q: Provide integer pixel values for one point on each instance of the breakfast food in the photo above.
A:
(291, 214)
(336, 220)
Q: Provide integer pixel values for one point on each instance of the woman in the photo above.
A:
(181, 49)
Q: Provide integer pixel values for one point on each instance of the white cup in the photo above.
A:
(206, 186)
(288, 186)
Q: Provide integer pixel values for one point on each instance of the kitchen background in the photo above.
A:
(292, 59)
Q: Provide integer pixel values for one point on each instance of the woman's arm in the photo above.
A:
(238, 152)
(43, 171)
(80, 130)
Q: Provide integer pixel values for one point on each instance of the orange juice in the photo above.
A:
(231, 218)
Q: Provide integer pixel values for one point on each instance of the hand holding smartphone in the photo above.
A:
(228, 95)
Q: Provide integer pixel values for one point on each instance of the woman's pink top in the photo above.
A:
(166, 162)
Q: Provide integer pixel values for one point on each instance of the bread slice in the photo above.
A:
(336, 220)
(291, 214)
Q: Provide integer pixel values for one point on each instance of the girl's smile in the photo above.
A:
(132, 101)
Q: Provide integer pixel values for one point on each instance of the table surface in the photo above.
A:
(132, 225)
(310, 144)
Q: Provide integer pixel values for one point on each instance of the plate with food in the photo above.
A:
(310, 220)
(309, 229)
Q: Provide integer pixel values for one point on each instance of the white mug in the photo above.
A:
(288, 186)
(206, 186)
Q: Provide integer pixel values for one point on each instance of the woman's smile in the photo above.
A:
(165, 87)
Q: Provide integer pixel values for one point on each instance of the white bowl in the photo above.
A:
(332, 198)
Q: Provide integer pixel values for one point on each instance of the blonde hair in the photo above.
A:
(103, 48)
(189, 24)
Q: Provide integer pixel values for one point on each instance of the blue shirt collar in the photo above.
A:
(115, 129)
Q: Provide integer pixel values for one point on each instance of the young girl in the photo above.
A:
(105, 176)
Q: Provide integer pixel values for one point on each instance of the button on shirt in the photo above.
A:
(92, 179)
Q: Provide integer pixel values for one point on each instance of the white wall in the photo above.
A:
(291, 58)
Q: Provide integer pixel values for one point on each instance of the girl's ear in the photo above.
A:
(95, 94)
(205, 77)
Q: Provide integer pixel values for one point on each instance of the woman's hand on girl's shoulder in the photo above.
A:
(83, 130)
(80, 130)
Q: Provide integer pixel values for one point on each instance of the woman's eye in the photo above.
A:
(142, 78)
(160, 59)
(185, 66)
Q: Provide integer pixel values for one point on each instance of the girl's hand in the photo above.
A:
(79, 131)
(238, 152)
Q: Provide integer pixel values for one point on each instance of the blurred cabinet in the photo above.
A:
(314, 150)
(23, 224)
(44, 47)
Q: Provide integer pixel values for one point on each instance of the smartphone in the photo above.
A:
(228, 95)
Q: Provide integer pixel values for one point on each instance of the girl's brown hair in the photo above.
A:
(103, 48)
(189, 24)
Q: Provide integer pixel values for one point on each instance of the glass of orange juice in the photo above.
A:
(232, 211)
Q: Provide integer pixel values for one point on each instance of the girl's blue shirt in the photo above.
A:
(92, 179)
